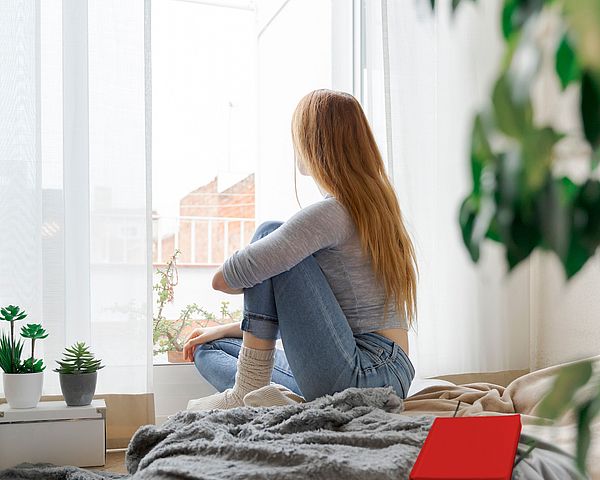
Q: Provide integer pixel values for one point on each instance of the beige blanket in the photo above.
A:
(522, 396)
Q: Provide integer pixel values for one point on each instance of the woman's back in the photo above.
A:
(326, 230)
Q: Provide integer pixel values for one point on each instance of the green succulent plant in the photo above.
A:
(10, 354)
(12, 313)
(78, 359)
(11, 348)
(34, 332)
(32, 365)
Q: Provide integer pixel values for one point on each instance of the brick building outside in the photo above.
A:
(211, 224)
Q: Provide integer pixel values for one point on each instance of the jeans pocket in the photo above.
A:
(372, 355)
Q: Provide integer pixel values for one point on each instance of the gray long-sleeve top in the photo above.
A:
(325, 230)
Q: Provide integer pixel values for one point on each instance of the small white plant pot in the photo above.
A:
(23, 390)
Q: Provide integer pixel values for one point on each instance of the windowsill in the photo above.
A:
(170, 364)
(191, 265)
(175, 384)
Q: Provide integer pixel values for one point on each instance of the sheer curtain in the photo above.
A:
(74, 196)
(423, 75)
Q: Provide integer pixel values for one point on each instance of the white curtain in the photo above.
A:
(423, 76)
(74, 199)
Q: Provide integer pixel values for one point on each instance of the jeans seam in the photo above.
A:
(285, 372)
(212, 345)
(383, 363)
(337, 380)
(396, 372)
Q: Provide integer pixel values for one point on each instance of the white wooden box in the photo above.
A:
(53, 433)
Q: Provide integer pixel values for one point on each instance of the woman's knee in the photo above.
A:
(202, 354)
(265, 228)
(216, 350)
(215, 365)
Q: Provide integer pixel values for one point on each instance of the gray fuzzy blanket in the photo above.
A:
(355, 434)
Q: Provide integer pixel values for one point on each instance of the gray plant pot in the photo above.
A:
(79, 388)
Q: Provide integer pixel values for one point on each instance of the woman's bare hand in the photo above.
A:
(198, 336)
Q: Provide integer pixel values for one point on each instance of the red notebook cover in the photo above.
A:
(466, 448)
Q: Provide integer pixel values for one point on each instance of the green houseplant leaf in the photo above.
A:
(571, 382)
(590, 108)
(595, 158)
(33, 331)
(32, 365)
(10, 354)
(512, 117)
(567, 66)
(12, 313)
(584, 227)
(568, 380)
(516, 13)
(508, 11)
(586, 413)
(455, 4)
(10, 347)
(78, 359)
(167, 334)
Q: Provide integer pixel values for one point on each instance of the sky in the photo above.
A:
(206, 101)
(203, 97)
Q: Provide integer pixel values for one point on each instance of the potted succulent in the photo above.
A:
(78, 372)
(22, 381)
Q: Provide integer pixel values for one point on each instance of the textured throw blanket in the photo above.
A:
(521, 396)
(356, 434)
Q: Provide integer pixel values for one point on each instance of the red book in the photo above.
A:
(465, 448)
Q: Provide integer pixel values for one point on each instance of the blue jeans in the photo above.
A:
(321, 354)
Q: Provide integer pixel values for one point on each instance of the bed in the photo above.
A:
(355, 434)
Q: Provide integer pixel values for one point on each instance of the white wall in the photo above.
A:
(565, 315)
(471, 318)
(175, 386)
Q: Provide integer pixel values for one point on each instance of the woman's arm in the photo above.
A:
(218, 283)
(198, 336)
(321, 225)
(233, 330)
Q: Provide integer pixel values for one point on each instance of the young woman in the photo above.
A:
(337, 281)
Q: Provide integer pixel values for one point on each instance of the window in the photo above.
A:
(226, 76)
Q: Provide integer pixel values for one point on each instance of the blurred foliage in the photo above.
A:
(575, 390)
(518, 199)
(167, 334)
